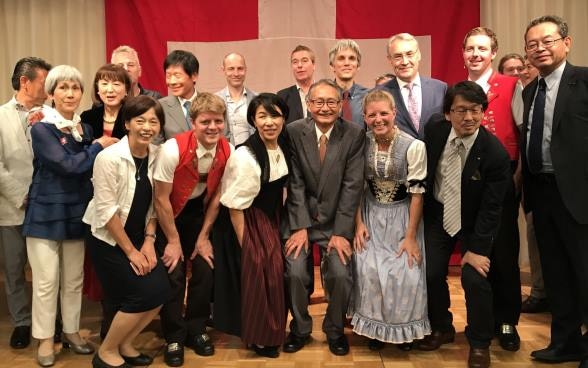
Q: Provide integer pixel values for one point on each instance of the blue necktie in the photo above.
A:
(534, 154)
(187, 114)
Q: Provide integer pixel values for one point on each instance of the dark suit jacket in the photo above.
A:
(324, 199)
(95, 118)
(291, 96)
(485, 179)
(433, 92)
(569, 140)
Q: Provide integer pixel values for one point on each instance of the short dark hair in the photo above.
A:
(508, 57)
(303, 48)
(111, 72)
(185, 59)
(484, 32)
(469, 91)
(27, 67)
(269, 101)
(135, 106)
(561, 24)
(324, 82)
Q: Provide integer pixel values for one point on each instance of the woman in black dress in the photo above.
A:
(123, 225)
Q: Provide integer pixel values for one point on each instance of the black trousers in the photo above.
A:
(505, 276)
(478, 293)
(178, 326)
(563, 249)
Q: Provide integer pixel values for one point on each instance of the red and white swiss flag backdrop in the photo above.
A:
(266, 30)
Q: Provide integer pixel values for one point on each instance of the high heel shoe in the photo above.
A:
(84, 349)
(97, 362)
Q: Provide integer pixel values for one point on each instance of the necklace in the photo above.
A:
(106, 121)
(138, 172)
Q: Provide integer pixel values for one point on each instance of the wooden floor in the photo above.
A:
(533, 329)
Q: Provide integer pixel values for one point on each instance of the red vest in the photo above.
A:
(186, 175)
(498, 118)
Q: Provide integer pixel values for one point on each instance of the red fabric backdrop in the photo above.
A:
(147, 25)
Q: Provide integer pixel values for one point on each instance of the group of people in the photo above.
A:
(205, 208)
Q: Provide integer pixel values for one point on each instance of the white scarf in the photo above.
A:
(52, 116)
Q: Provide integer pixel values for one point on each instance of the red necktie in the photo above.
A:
(347, 106)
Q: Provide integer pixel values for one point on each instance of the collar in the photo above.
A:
(319, 133)
(483, 80)
(191, 99)
(415, 82)
(228, 94)
(123, 149)
(201, 151)
(554, 77)
(468, 141)
(17, 105)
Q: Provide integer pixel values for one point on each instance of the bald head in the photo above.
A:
(234, 69)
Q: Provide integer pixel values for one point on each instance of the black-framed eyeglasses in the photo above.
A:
(332, 103)
(461, 112)
(534, 45)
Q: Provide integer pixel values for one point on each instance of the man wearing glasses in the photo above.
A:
(501, 118)
(326, 181)
(554, 151)
(417, 98)
(467, 176)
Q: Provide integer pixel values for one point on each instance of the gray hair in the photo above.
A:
(400, 37)
(127, 49)
(324, 82)
(62, 73)
(344, 45)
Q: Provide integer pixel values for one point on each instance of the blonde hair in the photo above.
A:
(207, 102)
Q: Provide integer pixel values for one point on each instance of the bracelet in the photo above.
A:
(151, 236)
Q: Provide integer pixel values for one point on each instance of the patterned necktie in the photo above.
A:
(187, 114)
(413, 108)
(322, 147)
(346, 110)
(452, 189)
(534, 154)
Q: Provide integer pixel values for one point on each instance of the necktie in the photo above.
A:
(347, 106)
(413, 108)
(452, 189)
(534, 154)
(187, 114)
(322, 147)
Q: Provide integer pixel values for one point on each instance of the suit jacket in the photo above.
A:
(223, 94)
(95, 118)
(433, 92)
(324, 199)
(485, 179)
(175, 119)
(291, 96)
(569, 140)
(16, 166)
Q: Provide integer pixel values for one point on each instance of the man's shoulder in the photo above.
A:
(222, 93)
(286, 91)
(432, 82)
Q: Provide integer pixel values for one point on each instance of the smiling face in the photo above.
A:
(208, 127)
(111, 92)
(345, 65)
(234, 69)
(546, 59)
(329, 98)
(478, 55)
(143, 128)
(268, 126)
(179, 82)
(67, 96)
(404, 56)
(465, 116)
(379, 117)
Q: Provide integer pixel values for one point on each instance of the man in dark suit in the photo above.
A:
(324, 191)
(468, 174)
(302, 62)
(417, 98)
(554, 150)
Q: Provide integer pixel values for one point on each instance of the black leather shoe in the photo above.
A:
(436, 339)
(267, 351)
(139, 360)
(508, 337)
(534, 305)
(202, 345)
(479, 358)
(339, 346)
(97, 362)
(583, 363)
(405, 346)
(21, 337)
(557, 354)
(173, 355)
(294, 343)
(375, 345)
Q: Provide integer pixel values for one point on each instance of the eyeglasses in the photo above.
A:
(461, 112)
(534, 45)
(330, 103)
(400, 56)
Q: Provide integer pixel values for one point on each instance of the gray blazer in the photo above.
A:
(175, 120)
(324, 199)
(223, 94)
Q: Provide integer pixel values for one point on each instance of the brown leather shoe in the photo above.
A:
(479, 358)
(436, 339)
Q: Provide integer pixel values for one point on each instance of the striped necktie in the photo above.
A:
(452, 189)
